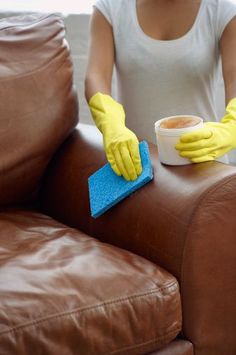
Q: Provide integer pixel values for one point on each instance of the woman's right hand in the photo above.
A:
(121, 144)
(122, 151)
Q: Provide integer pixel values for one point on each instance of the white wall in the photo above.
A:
(77, 35)
(64, 6)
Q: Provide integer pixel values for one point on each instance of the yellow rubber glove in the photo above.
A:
(213, 140)
(121, 145)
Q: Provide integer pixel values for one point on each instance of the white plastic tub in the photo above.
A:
(167, 138)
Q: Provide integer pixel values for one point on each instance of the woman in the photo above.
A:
(167, 55)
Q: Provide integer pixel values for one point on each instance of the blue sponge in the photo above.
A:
(106, 188)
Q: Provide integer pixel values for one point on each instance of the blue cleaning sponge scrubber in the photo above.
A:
(106, 188)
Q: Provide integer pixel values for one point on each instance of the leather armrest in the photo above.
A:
(184, 220)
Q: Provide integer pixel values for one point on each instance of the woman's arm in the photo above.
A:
(121, 145)
(228, 53)
(217, 138)
(101, 56)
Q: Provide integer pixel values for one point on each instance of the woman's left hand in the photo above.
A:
(208, 143)
(213, 140)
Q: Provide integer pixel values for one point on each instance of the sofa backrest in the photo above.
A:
(38, 103)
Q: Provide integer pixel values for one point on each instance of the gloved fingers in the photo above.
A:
(201, 144)
(202, 159)
(199, 134)
(127, 160)
(120, 163)
(191, 154)
(111, 160)
(135, 155)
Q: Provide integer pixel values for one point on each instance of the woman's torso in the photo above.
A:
(167, 58)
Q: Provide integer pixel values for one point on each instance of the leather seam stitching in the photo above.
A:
(40, 19)
(154, 340)
(200, 202)
(88, 308)
(204, 196)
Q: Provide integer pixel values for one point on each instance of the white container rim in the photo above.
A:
(176, 131)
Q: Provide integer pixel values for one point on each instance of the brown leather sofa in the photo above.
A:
(155, 274)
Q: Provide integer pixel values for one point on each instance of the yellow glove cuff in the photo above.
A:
(230, 115)
(105, 109)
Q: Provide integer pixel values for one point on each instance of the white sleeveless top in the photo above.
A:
(159, 78)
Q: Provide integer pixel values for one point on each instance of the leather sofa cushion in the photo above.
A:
(63, 292)
(38, 105)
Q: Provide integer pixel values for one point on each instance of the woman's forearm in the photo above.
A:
(228, 53)
(96, 83)
(230, 90)
(100, 57)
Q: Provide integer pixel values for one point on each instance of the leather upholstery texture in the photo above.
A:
(63, 292)
(183, 220)
(156, 273)
(38, 105)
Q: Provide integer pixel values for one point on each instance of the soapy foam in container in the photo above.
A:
(179, 122)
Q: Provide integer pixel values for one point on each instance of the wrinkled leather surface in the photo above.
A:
(177, 347)
(63, 292)
(184, 220)
(38, 106)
